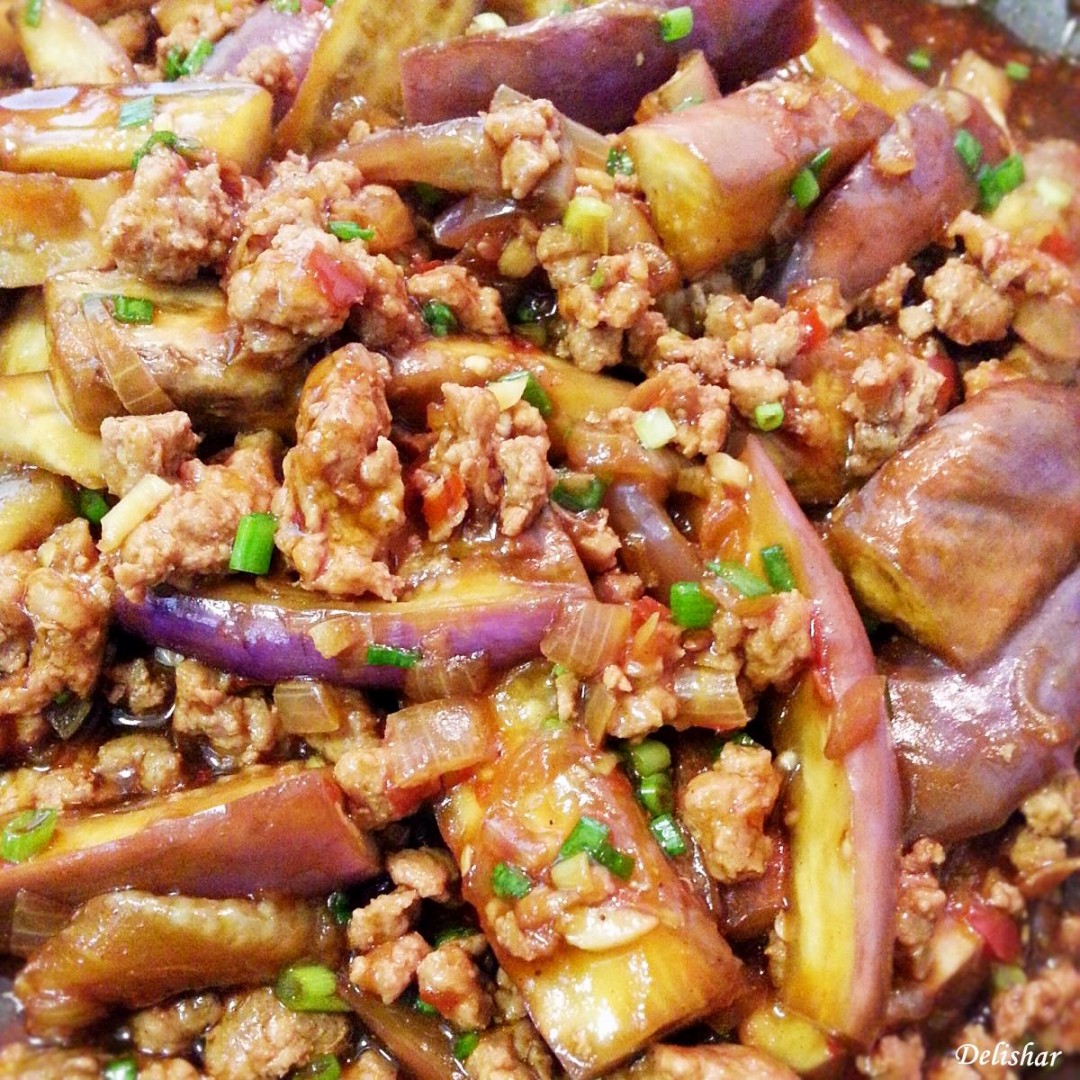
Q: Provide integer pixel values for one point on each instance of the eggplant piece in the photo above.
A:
(356, 63)
(597, 63)
(693, 83)
(135, 949)
(63, 46)
(23, 347)
(193, 349)
(281, 829)
(32, 503)
(956, 538)
(875, 220)
(74, 130)
(973, 746)
(842, 803)
(33, 245)
(718, 176)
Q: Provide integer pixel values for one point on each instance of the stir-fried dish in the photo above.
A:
(537, 540)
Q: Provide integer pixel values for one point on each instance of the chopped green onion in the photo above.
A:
(1006, 976)
(739, 738)
(598, 279)
(439, 318)
(619, 163)
(454, 933)
(424, 1008)
(32, 14)
(996, 181)
(805, 189)
(578, 494)
(132, 309)
(688, 101)
(429, 195)
(769, 415)
(323, 1067)
(676, 24)
(656, 794)
(648, 757)
(919, 59)
(739, 578)
(388, 656)
(92, 505)
(535, 308)
(819, 160)
(586, 218)
(777, 568)
(340, 906)
(173, 66)
(253, 547)
(125, 1068)
(618, 862)
(655, 428)
(591, 836)
(465, 1044)
(1016, 71)
(286, 7)
(170, 139)
(349, 230)
(26, 834)
(509, 882)
(690, 607)
(970, 150)
(668, 835)
(533, 393)
(136, 113)
(309, 988)
(196, 57)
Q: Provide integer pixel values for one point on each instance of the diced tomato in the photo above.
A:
(1060, 246)
(814, 331)
(998, 930)
(339, 282)
(440, 498)
(945, 366)
(643, 610)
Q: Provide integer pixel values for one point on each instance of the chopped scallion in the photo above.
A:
(92, 505)
(648, 757)
(465, 1044)
(655, 428)
(340, 906)
(668, 834)
(578, 494)
(388, 656)
(196, 57)
(768, 416)
(740, 579)
(777, 568)
(172, 66)
(970, 150)
(170, 139)
(805, 189)
(690, 607)
(739, 738)
(586, 218)
(26, 834)
(428, 195)
(440, 319)
(424, 1009)
(253, 547)
(309, 988)
(125, 1068)
(591, 836)
(533, 393)
(32, 13)
(454, 933)
(286, 7)
(132, 309)
(919, 60)
(619, 163)
(676, 24)
(508, 882)
(819, 160)
(1017, 72)
(656, 794)
(618, 862)
(136, 113)
(349, 230)
(996, 181)
(322, 1067)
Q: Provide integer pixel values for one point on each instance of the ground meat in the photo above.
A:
(131, 30)
(240, 727)
(174, 1069)
(342, 502)
(388, 969)
(54, 614)
(754, 386)
(357, 726)
(1045, 1008)
(894, 1057)
(699, 411)
(140, 764)
(887, 297)
(920, 905)
(486, 458)
(363, 773)
(269, 67)
(595, 541)
(725, 810)
(209, 20)
(258, 1038)
(192, 532)
(177, 218)
(967, 308)
(511, 1052)
(616, 587)
(383, 919)
(477, 308)
(138, 686)
(449, 980)
(63, 787)
(370, 1065)
(527, 135)
(722, 1062)
(777, 642)
(1052, 821)
(428, 871)
(759, 333)
(173, 1028)
(388, 320)
(136, 446)
(19, 1061)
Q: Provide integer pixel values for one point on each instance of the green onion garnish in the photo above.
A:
(349, 230)
(26, 834)
(768, 416)
(739, 738)
(465, 1044)
(655, 428)
(690, 607)
(777, 568)
(578, 494)
(668, 834)
(309, 988)
(740, 579)
(439, 318)
(676, 24)
(253, 546)
(533, 393)
(656, 794)
(340, 906)
(32, 13)
(125, 1068)
(173, 66)
(286, 7)
(136, 113)
(92, 505)
(996, 181)
(970, 150)
(648, 757)
(509, 882)
(819, 160)
(170, 139)
(1016, 71)
(389, 656)
(197, 56)
(132, 309)
(454, 933)
(618, 862)
(619, 163)
(591, 836)
(428, 195)
(586, 218)
(805, 189)
(323, 1067)
(919, 59)
(424, 1009)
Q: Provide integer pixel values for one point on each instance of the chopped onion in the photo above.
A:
(598, 711)
(307, 707)
(33, 920)
(132, 510)
(709, 698)
(471, 217)
(432, 738)
(459, 676)
(854, 719)
(587, 635)
(655, 428)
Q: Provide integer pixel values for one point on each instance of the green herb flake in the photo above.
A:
(440, 320)
(136, 113)
(388, 656)
(132, 309)
(676, 24)
(348, 231)
(970, 150)
(919, 60)
(619, 163)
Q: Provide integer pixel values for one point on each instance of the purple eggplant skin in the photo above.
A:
(597, 63)
(972, 746)
(873, 221)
